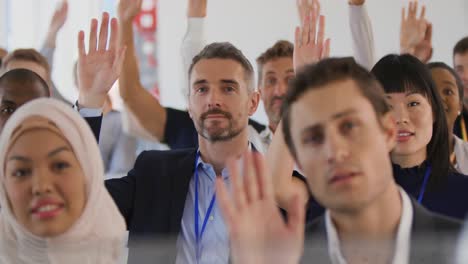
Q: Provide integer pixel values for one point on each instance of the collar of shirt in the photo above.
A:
(267, 135)
(208, 168)
(403, 236)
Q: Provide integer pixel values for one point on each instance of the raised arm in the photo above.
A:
(58, 20)
(142, 105)
(361, 34)
(416, 33)
(194, 39)
(307, 49)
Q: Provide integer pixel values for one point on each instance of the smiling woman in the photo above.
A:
(421, 156)
(55, 208)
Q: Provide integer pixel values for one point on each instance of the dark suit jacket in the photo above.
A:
(433, 238)
(151, 198)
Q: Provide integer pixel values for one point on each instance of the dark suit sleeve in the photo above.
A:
(179, 132)
(95, 125)
(123, 189)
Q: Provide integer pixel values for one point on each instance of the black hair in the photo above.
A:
(24, 77)
(460, 86)
(405, 73)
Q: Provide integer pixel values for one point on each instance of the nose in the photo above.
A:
(401, 114)
(280, 89)
(337, 148)
(214, 99)
(41, 182)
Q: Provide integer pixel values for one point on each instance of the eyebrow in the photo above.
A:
(8, 102)
(50, 154)
(334, 117)
(449, 82)
(228, 81)
(200, 82)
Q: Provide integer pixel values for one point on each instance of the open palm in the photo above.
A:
(258, 232)
(100, 67)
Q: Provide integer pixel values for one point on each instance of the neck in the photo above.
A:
(217, 153)
(378, 220)
(273, 126)
(410, 160)
(375, 225)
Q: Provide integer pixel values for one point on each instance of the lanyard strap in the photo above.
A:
(424, 184)
(463, 128)
(198, 234)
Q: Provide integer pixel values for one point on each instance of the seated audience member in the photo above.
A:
(421, 158)
(18, 87)
(168, 125)
(55, 208)
(340, 130)
(450, 88)
(32, 60)
(460, 64)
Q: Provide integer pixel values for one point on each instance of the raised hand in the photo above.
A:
(100, 67)
(310, 46)
(413, 29)
(128, 9)
(305, 7)
(257, 230)
(59, 17)
(196, 8)
(423, 50)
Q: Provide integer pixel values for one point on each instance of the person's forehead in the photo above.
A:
(442, 74)
(217, 69)
(322, 104)
(461, 58)
(278, 65)
(21, 91)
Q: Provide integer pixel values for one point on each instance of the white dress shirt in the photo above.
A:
(403, 236)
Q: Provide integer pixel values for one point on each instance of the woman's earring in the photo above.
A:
(459, 112)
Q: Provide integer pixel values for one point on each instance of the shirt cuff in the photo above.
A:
(195, 26)
(88, 112)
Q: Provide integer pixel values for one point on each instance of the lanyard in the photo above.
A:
(423, 187)
(198, 234)
(463, 128)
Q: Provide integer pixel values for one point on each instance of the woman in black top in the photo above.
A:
(421, 156)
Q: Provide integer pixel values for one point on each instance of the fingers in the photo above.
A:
(312, 28)
(238, 191)
(321, 33)
(423, 12)
(296, 215)
(265, 185)
(81, 45)
(104, 32)
(403, 14)
(297, 38)
(326, 49)
(93, 35)
(113, 42)
(250, 178)
(305, 30)
(225, 202)
(428, 35)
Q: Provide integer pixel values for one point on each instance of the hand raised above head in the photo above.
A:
(59, 17)
(258, 232)
(196, 8)
(305, 7)
(413, 29)
(310, 46)
(100, 67)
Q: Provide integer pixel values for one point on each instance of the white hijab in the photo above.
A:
(97, 236)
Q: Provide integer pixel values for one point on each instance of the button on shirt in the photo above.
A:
(403, 236)
(214, 244)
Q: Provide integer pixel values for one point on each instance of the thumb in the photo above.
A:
(296, 218)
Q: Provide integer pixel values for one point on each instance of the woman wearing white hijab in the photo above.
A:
(55, 207)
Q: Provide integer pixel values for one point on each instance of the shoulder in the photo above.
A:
(425, 219)
(153, 157)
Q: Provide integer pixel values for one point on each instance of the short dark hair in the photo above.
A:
(327, 71)
(225, 50)
(459, 82)
(461, 46)
(403, 73)
(24, 77)
(30, 55)
(281, 49)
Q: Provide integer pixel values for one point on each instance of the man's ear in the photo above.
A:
(253, 102)
(389, 127)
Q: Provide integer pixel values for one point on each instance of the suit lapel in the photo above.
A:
(182, 175)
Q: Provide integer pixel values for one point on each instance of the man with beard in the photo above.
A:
(172, 193)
